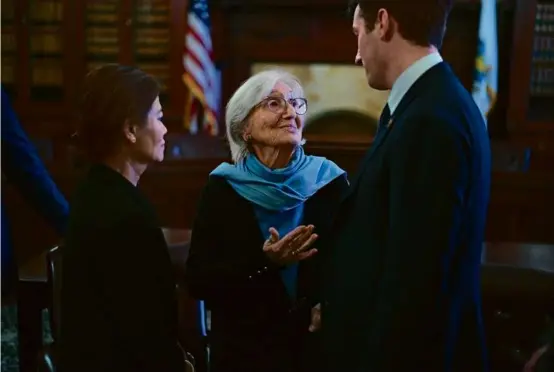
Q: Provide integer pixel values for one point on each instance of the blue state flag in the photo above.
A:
(485, 83)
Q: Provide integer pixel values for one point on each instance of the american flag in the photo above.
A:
(200, 77)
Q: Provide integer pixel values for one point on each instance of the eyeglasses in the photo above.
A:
(278, 105)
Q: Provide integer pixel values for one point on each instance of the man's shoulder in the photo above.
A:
(448, 106)
(441, 87)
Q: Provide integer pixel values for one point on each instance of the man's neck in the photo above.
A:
(407, 56)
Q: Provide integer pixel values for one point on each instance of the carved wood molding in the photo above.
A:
(321, 4)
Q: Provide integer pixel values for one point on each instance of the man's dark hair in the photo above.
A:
(113, 95)
(422, 22)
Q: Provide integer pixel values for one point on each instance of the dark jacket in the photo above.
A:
(403, 288)
(546, 361)
(254, 324)
(118, 301)
(23, 168)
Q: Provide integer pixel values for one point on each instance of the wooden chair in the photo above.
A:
(507, 157)
(47, 356)
(204, 325)
(516, 307)
(188, 311)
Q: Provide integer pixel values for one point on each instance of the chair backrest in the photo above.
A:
(54, 268)
(507, 157)
(205, 321)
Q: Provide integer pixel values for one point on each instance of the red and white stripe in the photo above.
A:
(200, 76)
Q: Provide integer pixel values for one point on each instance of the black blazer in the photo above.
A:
(254, 324)
(403, 288)
(118, 300)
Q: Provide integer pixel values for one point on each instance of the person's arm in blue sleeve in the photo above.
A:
(23, 167)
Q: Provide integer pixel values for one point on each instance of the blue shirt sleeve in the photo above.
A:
(23, 167)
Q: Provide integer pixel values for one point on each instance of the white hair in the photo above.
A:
(248, 95)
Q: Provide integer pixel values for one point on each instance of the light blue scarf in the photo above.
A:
(278, 195)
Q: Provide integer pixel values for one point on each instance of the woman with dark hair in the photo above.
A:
(118, 306)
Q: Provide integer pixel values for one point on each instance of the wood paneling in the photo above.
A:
(320, 32)
(308, 31)
(521, 206)
(520, 120)
(291, 31)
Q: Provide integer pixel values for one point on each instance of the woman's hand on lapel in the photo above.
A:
(293, 247)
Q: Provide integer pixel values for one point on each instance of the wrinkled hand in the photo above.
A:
(315, 325)
(293, 247)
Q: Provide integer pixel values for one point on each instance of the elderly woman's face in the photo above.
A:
(278, 120)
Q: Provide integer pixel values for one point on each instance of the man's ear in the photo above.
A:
(385, 24)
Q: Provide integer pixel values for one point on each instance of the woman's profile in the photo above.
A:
(118, 302)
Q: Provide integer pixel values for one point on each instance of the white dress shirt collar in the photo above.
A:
(409, 77)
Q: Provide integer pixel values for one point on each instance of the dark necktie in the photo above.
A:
(381, 131)
(384, 119)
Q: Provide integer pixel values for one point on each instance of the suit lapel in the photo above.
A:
(384, 125)
(396, 117)
(377, 142)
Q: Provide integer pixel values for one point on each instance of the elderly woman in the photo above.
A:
(118, 304)
(256, 226)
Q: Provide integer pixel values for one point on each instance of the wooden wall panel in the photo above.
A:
(521, 207)
(308, 31)
(320, 32)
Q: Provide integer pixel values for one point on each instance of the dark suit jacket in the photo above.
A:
(403, 283)
(254, 324)
(118, 300)
(22, 166)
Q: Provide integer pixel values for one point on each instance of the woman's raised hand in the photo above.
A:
(293, 247)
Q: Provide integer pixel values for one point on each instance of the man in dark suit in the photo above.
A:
(22, 166)
(402, 292)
